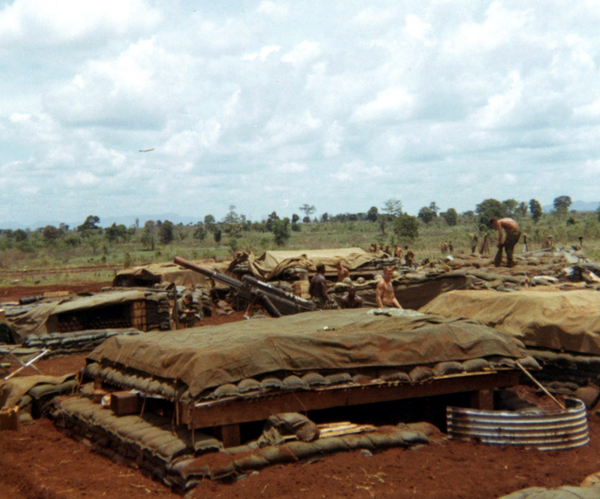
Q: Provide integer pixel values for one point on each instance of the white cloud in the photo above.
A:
(40, 22)
(301, 53)
(357, 170)
(391, 104)
(275, 9)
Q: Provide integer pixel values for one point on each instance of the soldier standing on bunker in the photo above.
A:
(384, 293)
(318, 287)
(508, 241)
(351, 300)
(408, 256)
(188, 310)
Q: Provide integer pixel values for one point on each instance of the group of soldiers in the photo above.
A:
(509, 233)
(398, 252)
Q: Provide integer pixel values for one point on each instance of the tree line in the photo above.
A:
(389, 217)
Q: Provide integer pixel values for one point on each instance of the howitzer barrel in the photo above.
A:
(222, 278)
(306, 305)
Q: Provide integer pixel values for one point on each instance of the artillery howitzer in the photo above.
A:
(276, 301)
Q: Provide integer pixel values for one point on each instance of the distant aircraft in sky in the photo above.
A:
(146, 150)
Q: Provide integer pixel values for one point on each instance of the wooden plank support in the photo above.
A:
(258, 408)
(229, 435)
(483, 400)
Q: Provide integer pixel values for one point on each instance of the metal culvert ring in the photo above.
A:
(543, 429)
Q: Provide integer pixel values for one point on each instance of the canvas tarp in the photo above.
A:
(34, 321)
(554, 319)
(165, 272)
(273, 263)
(208, 357)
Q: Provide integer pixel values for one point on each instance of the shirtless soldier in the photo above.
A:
(513, 233)
(342, 272)
(384, 294)
(318, 287)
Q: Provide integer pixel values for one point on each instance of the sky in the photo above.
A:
(270, 105)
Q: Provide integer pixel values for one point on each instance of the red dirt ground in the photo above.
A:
(40, 462)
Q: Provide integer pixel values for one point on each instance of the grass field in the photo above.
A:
(72, 250)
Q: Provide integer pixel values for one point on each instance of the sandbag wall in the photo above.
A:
(83, 341)
(181, 458)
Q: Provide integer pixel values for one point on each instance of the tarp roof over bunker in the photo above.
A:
(547, 318)
(271, 264)
(147, 275)
(341, 340)
(34, 321)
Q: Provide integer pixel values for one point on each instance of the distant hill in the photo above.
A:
(576, 206)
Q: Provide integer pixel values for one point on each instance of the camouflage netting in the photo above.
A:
(330, 342)
(547, 319)
(181, 458)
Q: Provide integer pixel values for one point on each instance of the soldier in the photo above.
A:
(384, 293)
(398, 253)
(512, 233)
(342, 272)
(351, 300)
(318, 287)
(408, 256)
(188, 311)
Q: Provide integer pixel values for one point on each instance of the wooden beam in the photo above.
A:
(482, 400)
(229, 435)
(258, 408)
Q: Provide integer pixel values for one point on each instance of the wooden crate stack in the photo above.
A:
(138, 315)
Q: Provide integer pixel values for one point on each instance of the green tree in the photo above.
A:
(281, 231)
(490, 208)
(232, 217)
(562, 204)
(295, 218)
(450, 217)
(115, 232)
(536, 210)
(209, 222)
(308, 210)
(90, 226)
(406, 227)
(325, 217)
(166, 233)
(521, 210)
(271, 219)
(148, 235)
(20, 235)
(510, 205)
(51, 233)
(199, 232)
(372, 214)
(392, 207)
(426, 214)
(217, 233)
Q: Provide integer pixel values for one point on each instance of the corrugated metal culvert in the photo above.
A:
(543, 429)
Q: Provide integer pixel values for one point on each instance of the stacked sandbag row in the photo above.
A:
(182, 458)
(148, 442)
(278, 382)
(158, 312)
(202, 296)
(572, 370)
(133, 380)
(35, 402)
(252, 458)
(81, 341)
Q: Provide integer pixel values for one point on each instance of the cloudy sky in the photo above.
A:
(267, 105)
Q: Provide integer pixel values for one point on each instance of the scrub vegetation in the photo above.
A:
(107, 248)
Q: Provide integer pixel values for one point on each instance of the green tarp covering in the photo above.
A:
(208, 357)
